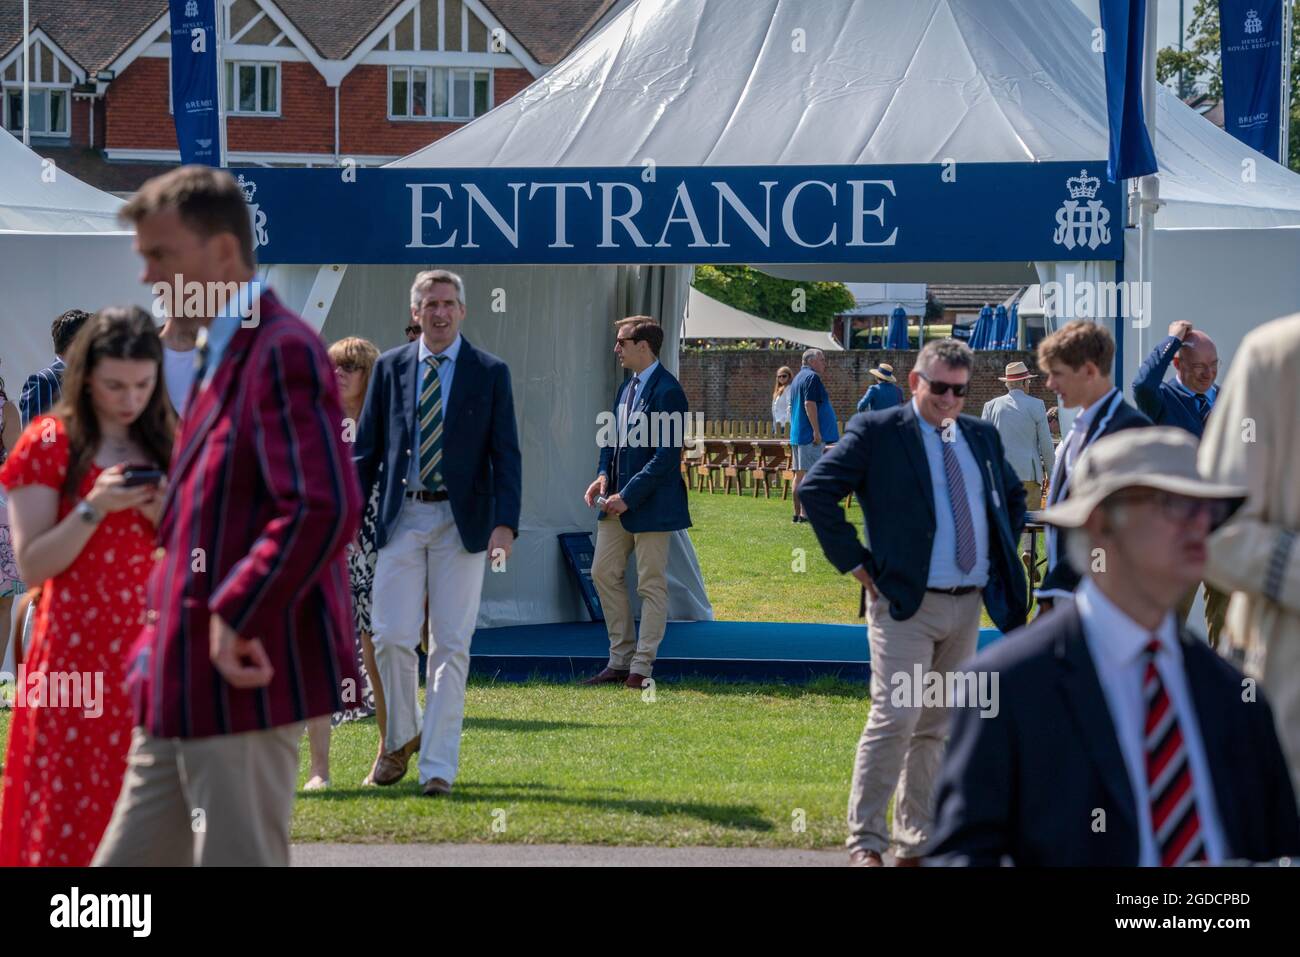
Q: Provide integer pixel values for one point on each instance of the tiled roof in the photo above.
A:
(336, 27)
(548, 29)
(971, 295)
(94, 34)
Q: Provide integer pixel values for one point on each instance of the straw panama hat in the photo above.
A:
(1015, 372)
(884, 372)
(1159, 457)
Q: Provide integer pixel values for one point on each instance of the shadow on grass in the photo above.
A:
(513, 724)
(822, 686)
(734, 816)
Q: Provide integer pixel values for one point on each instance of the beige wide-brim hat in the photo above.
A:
(1016, 372)
(1159, 457)
(884, 372)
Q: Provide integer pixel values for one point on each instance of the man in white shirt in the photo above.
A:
(1117, 740)
(178, 337)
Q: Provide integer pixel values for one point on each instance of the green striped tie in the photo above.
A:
(431, 425)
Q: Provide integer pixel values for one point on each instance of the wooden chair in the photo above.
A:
(712, 463)
(771, 461)
(742, 454)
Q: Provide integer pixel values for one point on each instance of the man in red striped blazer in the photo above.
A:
(249, 628)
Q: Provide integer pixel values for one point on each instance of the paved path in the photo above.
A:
(555, 855)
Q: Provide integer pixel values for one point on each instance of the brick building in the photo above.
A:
(734, 384)
(307, 82)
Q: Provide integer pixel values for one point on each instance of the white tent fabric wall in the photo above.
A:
(555, 330)
(61, 247)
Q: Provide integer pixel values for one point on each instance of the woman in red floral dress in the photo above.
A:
(88, 537)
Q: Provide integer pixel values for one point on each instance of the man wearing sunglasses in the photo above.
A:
(1120, 740)
(943, 510)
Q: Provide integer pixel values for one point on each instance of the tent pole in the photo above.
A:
(1284, 144)
(27, 55)
(1148, 186)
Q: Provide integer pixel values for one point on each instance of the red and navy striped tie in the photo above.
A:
(1174, 818)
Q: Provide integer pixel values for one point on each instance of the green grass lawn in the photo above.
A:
(726, 765)
(703, 763)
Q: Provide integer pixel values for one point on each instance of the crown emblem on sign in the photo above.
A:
(192, 8)
(249, 189)
(1083, 186)
(1253, 23)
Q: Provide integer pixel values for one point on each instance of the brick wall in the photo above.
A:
(136, 108)
(737, 384)
(137, 115)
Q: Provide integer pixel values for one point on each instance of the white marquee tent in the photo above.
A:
(61, 247)
(707, 318)
(688, 83)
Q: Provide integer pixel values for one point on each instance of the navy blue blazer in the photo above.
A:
(650, 477)
(40, 392)
(1167, 403)
(1026, 783)
(881, 459)
(1115, 416)
(481, 465)
(881, 396)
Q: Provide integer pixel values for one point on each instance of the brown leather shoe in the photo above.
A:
(607, 677)
(636, 681)
(436, 787)
(907, 862)
(860, 857)
(391, 768)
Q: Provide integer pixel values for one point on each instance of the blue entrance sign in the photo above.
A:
(968, 212)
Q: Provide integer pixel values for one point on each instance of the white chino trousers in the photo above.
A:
(425, 553)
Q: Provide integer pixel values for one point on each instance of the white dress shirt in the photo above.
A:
(944, 572)
(446, 371)
(1117, 644)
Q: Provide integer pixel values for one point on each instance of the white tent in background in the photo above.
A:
(774, 83)
(61, 247)
(706, 318)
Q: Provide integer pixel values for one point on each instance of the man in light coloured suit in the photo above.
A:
(1021, 421)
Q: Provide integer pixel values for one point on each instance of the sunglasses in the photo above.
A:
(941, 388)
(1179, 508)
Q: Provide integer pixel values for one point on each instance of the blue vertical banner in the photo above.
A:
(1123, 24)
(1250, 48)
(194, 80)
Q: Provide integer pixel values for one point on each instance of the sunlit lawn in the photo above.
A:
(702, 763)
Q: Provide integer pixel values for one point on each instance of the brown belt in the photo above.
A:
(428, 496)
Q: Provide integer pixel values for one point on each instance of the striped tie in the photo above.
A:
(1174, 820)
(431, 425)
(961, 519)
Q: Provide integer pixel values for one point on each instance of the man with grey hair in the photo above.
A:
(439, 417)
(1120, 740)
(812, 421)
(942, 508)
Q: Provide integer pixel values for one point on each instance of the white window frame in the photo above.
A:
(64, 88)
(232, 87)
(427, 70)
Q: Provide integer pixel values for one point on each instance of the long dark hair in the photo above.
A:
(117, 332)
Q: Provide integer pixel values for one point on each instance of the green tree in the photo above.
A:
(1200, 61)
(807, 305)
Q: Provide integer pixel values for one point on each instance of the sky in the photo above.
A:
(1167, 31)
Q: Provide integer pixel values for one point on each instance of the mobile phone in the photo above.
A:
(141, 475)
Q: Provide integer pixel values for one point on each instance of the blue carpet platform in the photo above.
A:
(728, 650)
